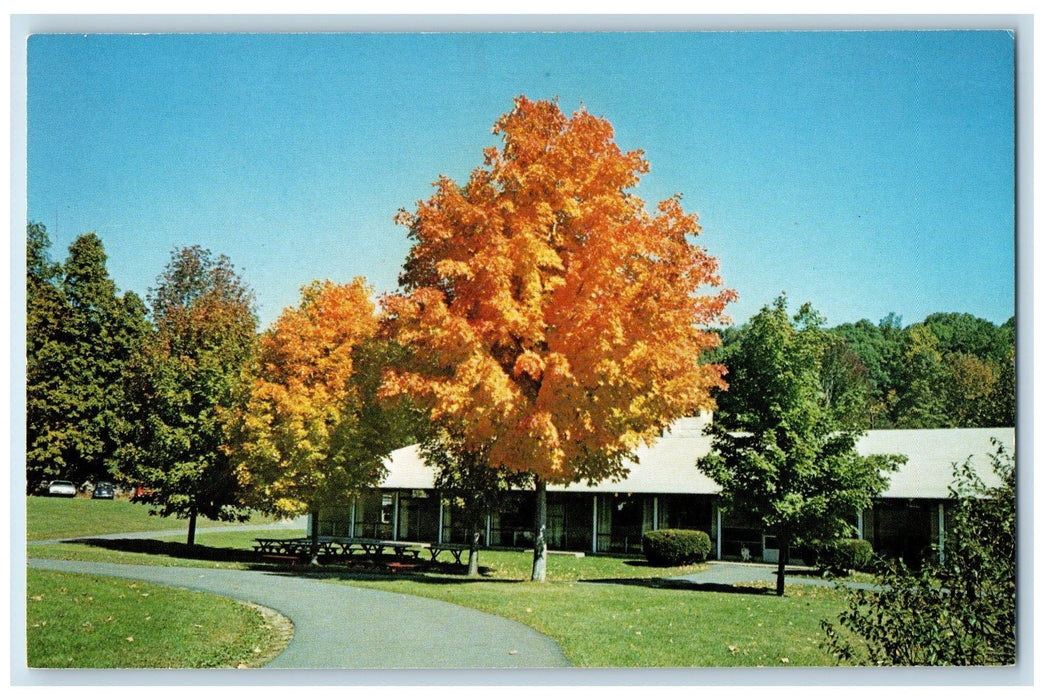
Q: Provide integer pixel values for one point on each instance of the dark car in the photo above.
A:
(103, 489)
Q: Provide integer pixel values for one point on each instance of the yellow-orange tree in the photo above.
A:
(312, 432)
(554, 322)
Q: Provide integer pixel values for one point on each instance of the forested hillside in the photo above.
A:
(951, 370)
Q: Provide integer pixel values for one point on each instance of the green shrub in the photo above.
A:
(840, 556)
(957, 612)
(676, 547)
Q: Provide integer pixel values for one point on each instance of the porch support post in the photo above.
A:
(489, 527)
(594, 523)
(351, 519)
(859, 524)
(395, 515)
(656, 512)
(718, 509)
(942, 532)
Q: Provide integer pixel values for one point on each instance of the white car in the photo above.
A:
(61, 488)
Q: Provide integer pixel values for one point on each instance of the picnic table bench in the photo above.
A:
(295, 548)
(338, 546)
(455, 550)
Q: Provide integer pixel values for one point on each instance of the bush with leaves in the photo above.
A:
(840, 556)
(675, 547)
(957, 612)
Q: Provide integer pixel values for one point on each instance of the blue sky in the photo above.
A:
(865, 172)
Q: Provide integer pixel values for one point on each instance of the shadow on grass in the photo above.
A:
(433, 573)
(328, 568)
(177, 550)
(681, 585)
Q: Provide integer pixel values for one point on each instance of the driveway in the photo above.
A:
(339, 627)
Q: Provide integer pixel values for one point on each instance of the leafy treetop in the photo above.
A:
(552, 319)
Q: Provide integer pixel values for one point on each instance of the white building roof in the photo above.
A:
(406, 470)
(669, 466)
(931, 455)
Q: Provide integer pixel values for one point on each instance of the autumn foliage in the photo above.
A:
(552, 319)
(305, 438)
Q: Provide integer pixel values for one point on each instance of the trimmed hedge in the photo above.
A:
(676, 547)
(840, 556)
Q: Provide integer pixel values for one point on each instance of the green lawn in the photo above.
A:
(605, 611)
(55, 518)
(81, 621)
(61, 518)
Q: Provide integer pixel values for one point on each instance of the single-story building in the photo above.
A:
(664, 489)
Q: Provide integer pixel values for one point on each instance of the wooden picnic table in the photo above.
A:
(348, 546)
(380, 547)
(344, 546)
(455, 550)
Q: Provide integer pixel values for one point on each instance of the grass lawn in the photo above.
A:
(62, 518)
(57, 518)
(81, 621)
(233, 550)
(605, 611)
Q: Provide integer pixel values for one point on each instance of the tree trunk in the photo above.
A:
(476, 535)
(192, 526)
(784, 559)
(540, 533)
(313, 548)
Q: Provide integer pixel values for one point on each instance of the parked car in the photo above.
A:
(103, 489)
(66, 489)
(141, 494)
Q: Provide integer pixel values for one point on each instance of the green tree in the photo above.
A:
(189, 378)
(464, 477)
(46, 316)
(1002, 404)
(969, 390)
(780, 455)
(879, 349)
(960, 608)
(963, 333)
(845, 383)
(82, 335)
(921, 402)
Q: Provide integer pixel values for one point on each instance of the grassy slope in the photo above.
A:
(52, 518)
(76, 621)
(80, 621)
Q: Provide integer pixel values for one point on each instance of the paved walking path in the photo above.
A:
(338, 626)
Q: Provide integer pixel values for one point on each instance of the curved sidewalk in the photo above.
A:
(338, 626)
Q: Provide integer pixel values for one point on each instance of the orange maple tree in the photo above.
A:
(310, 434)
(554, 321)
